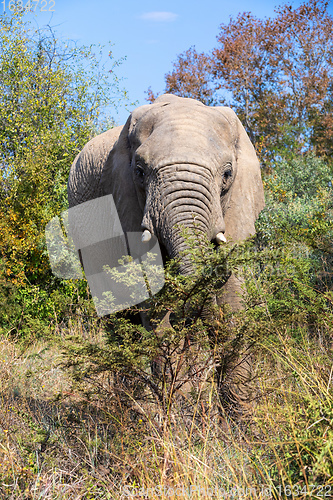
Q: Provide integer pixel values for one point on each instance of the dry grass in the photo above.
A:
(59, 440)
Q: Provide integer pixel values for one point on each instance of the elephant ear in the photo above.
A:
(116, 179)
(246, 196)
(85, 173)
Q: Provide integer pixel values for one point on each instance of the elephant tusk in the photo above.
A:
(220, 238)
(146, 236)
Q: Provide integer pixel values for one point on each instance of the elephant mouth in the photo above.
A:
(164, 253)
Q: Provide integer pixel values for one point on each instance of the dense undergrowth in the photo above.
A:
(83, 415)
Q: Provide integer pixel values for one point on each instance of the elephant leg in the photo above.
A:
(181, 368)
(234, 368)
(234, 373)
(172, 364)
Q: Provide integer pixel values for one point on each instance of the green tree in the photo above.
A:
(299, 215)
(52, 99)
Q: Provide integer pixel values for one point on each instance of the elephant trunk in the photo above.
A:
(187, 203)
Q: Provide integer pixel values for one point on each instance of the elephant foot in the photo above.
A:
(234, 387)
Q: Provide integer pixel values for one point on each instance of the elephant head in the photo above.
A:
(174, 162)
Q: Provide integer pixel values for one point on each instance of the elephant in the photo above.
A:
(175, 161)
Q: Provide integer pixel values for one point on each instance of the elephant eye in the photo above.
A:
(139, 171)
(227, 174)
(226, 178)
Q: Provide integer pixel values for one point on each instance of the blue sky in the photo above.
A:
(149, 33)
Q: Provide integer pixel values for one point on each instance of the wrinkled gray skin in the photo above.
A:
(172, 159)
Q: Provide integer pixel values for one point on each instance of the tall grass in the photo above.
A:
(66, 439)
(79, 420)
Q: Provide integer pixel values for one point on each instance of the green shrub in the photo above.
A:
(52, 99)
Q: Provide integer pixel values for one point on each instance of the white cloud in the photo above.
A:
(159, 16)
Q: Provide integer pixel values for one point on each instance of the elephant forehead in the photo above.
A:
(181, 122)
(182, 145)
